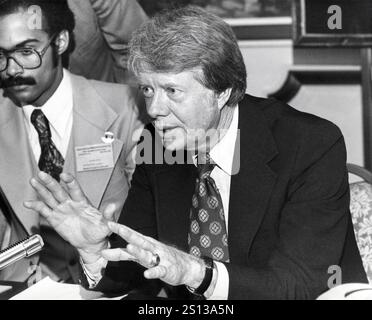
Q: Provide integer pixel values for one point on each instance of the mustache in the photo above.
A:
(12, 82)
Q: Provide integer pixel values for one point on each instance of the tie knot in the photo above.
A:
(205, 167)
(205, 170)
(41, 123)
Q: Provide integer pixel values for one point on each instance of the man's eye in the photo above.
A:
(148, 92)
(25, 51)
(172, 91)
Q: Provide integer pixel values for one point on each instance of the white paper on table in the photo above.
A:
(47, 289)
(349, 291)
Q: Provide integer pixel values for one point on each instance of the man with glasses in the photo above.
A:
(55, 122)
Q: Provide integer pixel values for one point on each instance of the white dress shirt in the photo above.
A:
(223, 155)
(59, 112)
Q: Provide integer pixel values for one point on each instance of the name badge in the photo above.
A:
(94, 157)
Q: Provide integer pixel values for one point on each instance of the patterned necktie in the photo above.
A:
(208, 236)
(51, 161)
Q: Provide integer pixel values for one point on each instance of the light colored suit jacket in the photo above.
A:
(98, 107)
(102, 32)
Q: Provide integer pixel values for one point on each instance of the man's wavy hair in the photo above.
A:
(56, 13)
(187, 38)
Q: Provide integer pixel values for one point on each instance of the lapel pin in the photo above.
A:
(108, 137)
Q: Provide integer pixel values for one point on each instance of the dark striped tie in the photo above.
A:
(51, 161)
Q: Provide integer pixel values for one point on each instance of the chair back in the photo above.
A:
(361, 213)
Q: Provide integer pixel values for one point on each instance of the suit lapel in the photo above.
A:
(18, 165)
(92, 118)
(251, 187)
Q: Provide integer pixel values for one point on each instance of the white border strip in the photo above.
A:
(265, 43)
(259, 21)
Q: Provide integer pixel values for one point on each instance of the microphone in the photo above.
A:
(20, 250)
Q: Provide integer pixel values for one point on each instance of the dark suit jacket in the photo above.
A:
(289, 217)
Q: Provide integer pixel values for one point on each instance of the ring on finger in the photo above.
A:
(155, 260)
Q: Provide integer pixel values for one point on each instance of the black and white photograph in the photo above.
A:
(185, 154)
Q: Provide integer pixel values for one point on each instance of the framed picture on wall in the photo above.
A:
(250, 19)
(332, 23)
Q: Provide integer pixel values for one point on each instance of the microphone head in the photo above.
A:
(20, 250)
(33, 244)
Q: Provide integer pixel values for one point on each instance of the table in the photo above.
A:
(17, 287)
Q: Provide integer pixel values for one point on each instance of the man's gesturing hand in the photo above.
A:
(175, 268)
(68, 211)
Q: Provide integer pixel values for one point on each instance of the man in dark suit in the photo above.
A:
(258, 211)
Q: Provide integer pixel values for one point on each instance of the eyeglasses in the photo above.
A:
(26, 58)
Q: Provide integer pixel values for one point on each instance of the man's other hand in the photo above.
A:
(68, 211)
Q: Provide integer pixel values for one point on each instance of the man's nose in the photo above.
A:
(13, 69)
(156, 107)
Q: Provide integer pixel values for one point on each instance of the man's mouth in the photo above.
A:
(167, 129)
(163, 128)
(18, 87)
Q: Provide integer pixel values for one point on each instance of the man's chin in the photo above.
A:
(20, 94)
(172, 145)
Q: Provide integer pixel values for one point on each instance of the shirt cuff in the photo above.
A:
(221, 291)
(94, 271)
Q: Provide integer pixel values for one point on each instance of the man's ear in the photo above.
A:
(62, 42)
(223, 98)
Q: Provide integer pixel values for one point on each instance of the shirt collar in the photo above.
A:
(59, 106)
(222, 153)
